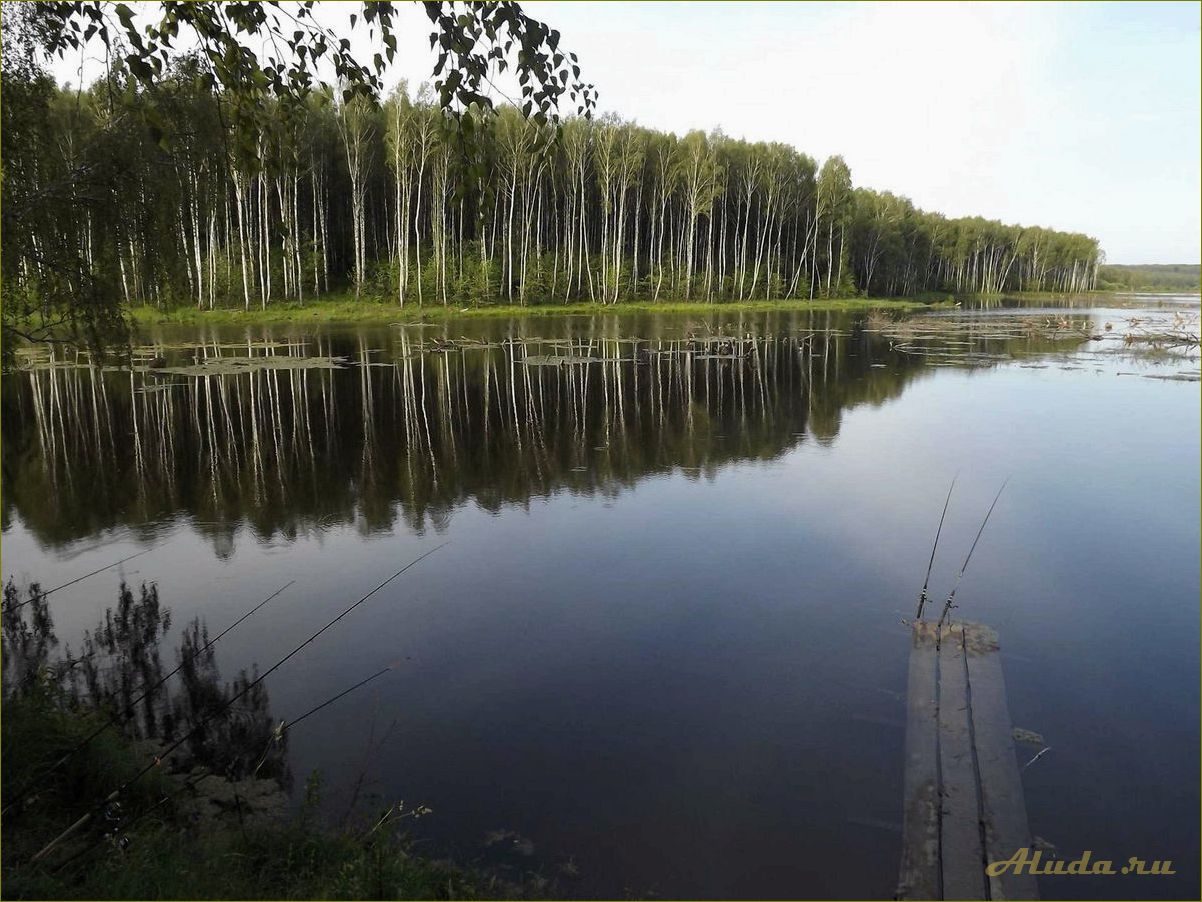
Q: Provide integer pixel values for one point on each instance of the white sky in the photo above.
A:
(1074, 116)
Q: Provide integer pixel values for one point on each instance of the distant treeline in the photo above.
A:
(1151, 277)
(152, 197)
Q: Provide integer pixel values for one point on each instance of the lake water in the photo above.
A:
(662, 651)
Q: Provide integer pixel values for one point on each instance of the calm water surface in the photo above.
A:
(663, 648)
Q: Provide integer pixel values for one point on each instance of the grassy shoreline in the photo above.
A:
(344, 308)
(173, 853)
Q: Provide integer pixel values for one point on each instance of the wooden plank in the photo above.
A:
(961, 851)
(1003, 807)
(964, 803)
(920, 872)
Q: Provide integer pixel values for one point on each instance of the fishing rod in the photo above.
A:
(116, 718)
(292, 723)
(949, 604)
(283, 728)
(42, 595)
(45, 850)
(195, 780)
(188, 784)
(922, 596)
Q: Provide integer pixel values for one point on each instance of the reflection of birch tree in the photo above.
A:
(284, 435)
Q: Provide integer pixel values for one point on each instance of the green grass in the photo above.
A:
(170, 856)
(344, 308)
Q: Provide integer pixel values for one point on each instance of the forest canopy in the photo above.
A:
(1151, 277)
(158, 196)
(58, 275)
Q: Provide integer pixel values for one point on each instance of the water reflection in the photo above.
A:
(373, 425)
(698, 690)
(119, 671)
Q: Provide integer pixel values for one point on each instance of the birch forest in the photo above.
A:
(381, 200)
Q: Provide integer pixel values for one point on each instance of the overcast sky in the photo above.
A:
(1074, 116)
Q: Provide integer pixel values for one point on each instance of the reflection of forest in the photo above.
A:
(118, 674)
(412, 426)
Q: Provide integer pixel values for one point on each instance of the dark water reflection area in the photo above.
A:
(662, 653)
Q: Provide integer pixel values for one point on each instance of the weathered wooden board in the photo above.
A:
(1003, 807)
(920, 872)
(961, 850)
(964, 803)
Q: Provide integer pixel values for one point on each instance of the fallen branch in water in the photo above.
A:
(1036, 758)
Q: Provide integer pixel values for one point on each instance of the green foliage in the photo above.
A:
(1151, 277)
(471, 42)
(335, 190)
(168, 856)
(62, 768)
(95, 213)
(40, 726)
(373, 308)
